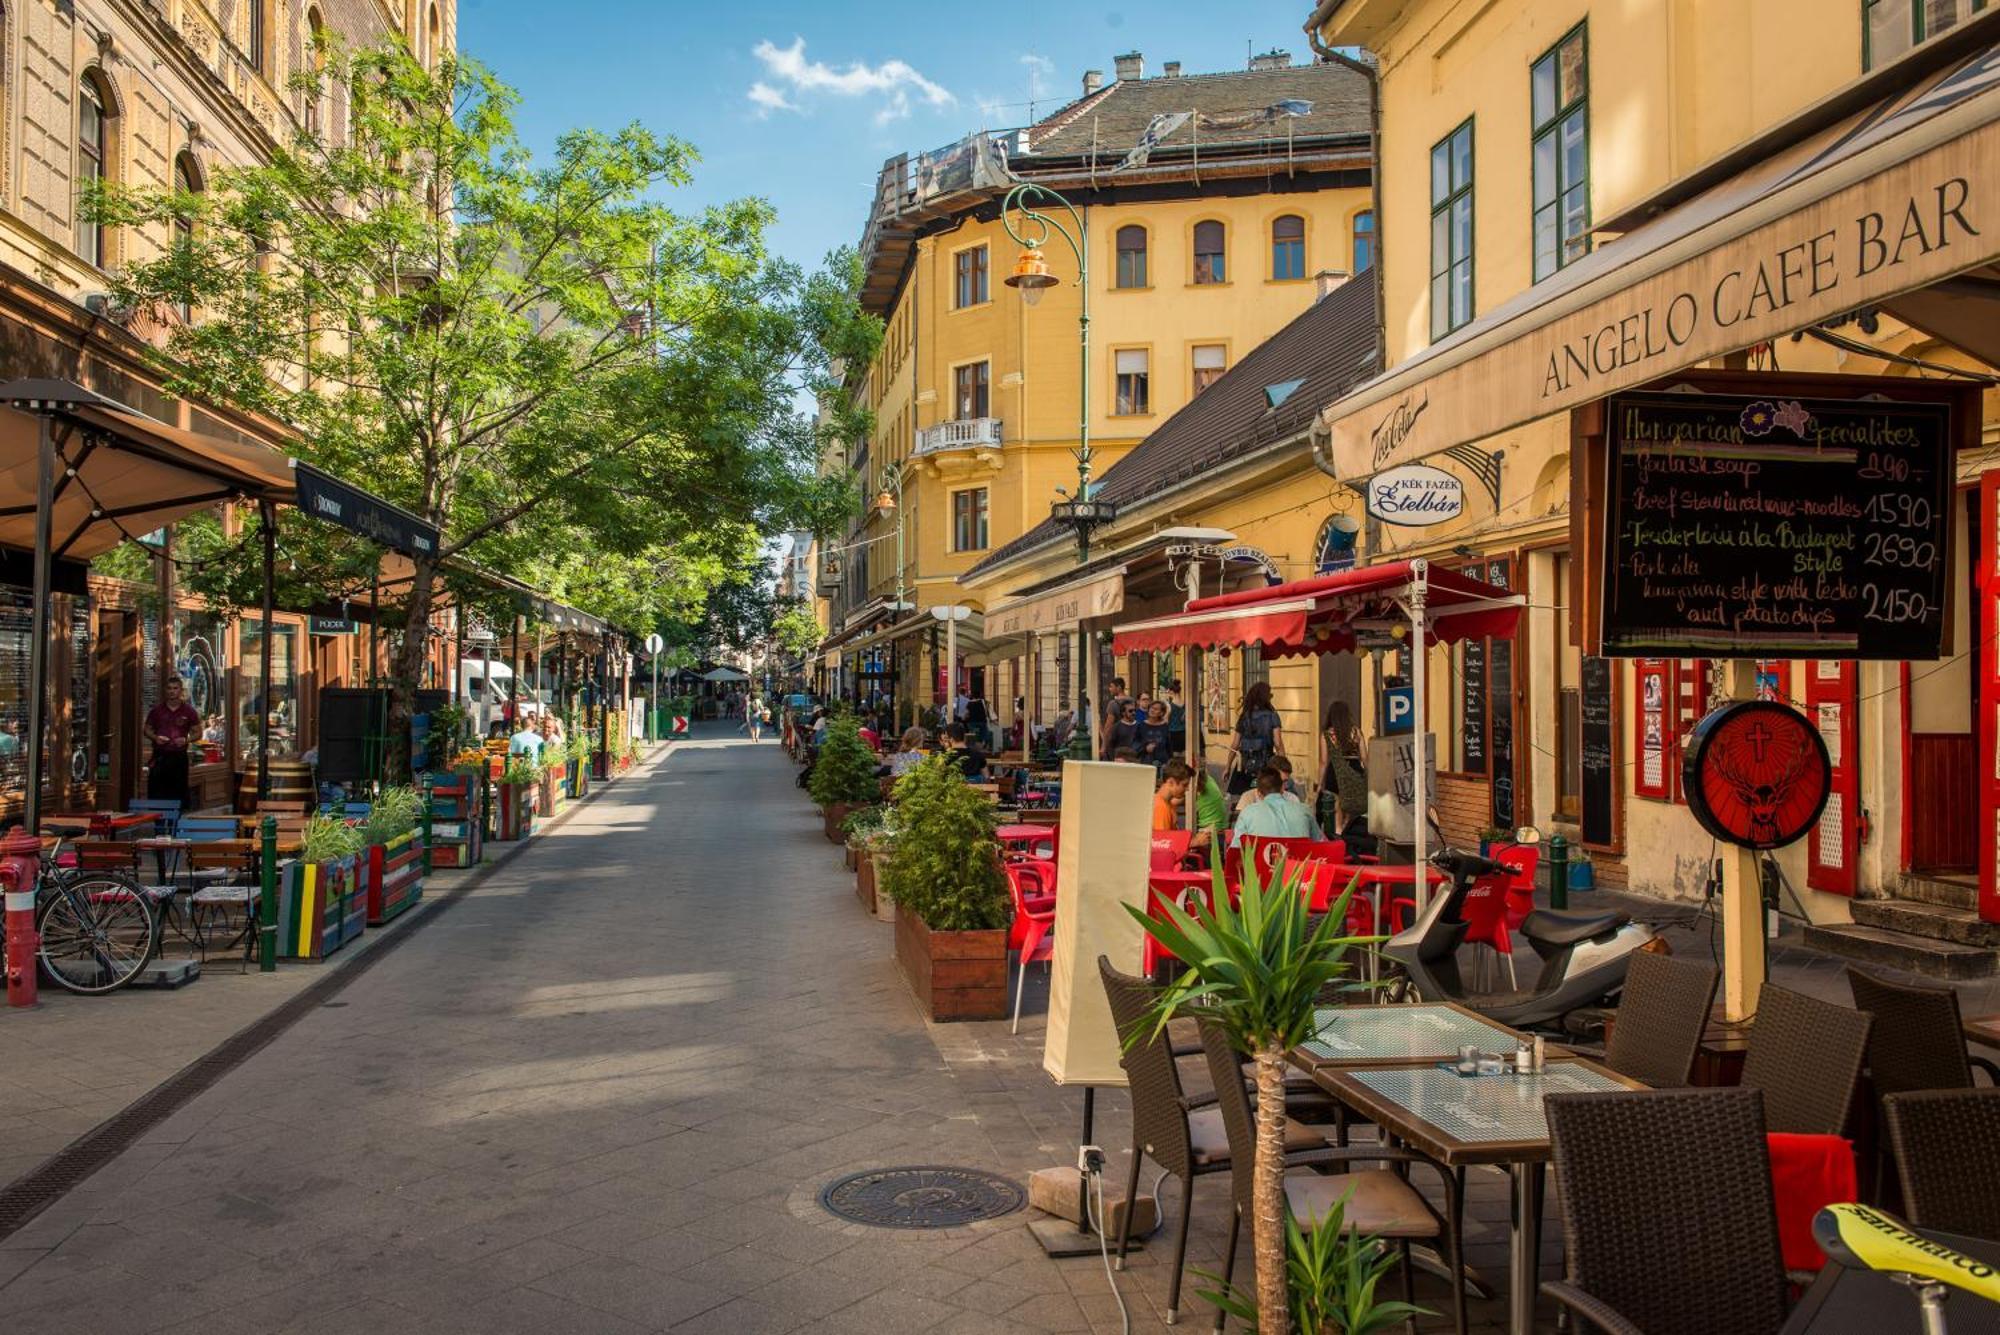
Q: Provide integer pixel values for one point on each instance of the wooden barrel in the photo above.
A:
(291, 783)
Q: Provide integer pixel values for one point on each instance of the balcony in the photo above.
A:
(970, 433)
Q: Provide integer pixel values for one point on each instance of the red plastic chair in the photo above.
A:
(1485, 910)
(1522, 860)
(1265, 851)
(1034, 926)
(1170, 849)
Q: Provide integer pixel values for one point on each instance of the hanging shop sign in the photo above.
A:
(1335, 546)
(326, 497)
(333, 626)
(1739, 526)
(1415, 495)
(1757, 774)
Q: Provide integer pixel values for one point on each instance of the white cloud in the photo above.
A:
(893, 82)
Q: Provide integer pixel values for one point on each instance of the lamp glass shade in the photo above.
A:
(885, 501)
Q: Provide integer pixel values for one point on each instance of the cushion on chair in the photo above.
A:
(1211, 1142)
(1382, 1203)
(223, 894)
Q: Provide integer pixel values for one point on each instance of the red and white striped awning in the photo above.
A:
(1327, 613)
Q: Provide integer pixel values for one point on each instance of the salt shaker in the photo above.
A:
(1524, 1058)
(1541, 1053)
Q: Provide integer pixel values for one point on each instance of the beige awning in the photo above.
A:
(1896, 197)
(1101, 594)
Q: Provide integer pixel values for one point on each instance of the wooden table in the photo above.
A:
(1460, 1120)
(1983, 1029)
(116, 824)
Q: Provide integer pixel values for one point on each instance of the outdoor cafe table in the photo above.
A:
(1384, 1066)
(1983, 1029)
(114, 824)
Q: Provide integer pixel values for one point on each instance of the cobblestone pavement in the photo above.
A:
(601, 1094)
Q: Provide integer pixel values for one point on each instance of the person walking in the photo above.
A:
(1155, 736)
(1122, 734)
(168, 726)
(1259, 736)
(754, 714)
(1343, 795)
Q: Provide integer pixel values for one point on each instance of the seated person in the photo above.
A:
(967, 753)
(1125, 755)
(1250, 796)
(1276, 814)
(908, 756)
(1170, 799)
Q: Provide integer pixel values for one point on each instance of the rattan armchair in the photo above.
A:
(1947, 1148)
(1918, 1042)
(1668, 1218)
(1660, 1018)
(1805, 1054)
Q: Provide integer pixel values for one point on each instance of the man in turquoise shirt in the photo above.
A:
(1276, 814)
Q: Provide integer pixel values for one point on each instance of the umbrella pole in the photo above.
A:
(268, 512)
(1419, 651)
(38, 646)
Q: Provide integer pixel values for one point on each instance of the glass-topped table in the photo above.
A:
(1397, 1035)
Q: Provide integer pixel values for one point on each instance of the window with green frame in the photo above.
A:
(1891, 27)
(1451, 231)
(1559, 102)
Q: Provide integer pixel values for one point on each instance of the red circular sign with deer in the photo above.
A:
(1757, 774)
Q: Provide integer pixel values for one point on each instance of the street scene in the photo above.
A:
(1328, 669)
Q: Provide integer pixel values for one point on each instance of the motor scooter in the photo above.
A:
(1584, 955)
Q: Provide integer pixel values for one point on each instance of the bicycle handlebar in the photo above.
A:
(1865, 1239)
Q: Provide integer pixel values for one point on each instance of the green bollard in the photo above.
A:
(427, 825)
(267, 904)
(1558, 873)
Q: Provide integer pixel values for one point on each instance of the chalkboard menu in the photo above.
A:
(1472, 708)
(1599, 761)
(1500, 709)
(1745, 527)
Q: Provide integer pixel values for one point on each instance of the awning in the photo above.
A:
(1891, 199)
(1328, 613)
(326, 497)
(1099, 594)
(721, 674)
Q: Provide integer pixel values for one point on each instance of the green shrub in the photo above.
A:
(845, 770)
(947, 865)
(520, 769)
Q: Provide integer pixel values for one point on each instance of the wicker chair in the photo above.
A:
(1381, 1204)
(1183, 1134)
(1668, 1217)
(1947, 1148)
(1805, 1055)
(1660, 1019)
(1918, 1042)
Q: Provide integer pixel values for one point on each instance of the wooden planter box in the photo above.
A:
(321, 907)
(864, 879)
(835, 815)
(395, 877)
(514, 817)
(955, 975)
(555, 788)
(885, 907)
(458, 836)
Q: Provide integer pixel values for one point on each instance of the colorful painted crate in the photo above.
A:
(395, 876)
(458, 835)
(555, 788)
(321, 907)
(514, 818)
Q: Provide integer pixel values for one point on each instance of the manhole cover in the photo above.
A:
(922, 1197)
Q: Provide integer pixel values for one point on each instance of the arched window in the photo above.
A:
(1132, 255)
(187, 181)
(1288, 247)
(257, 43)
(93, 161)
(1364, 239)
(316, 52)
(1209, 265)
(431, 35)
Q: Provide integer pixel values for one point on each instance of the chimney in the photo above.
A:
(1092, 81)
(1274, 59)
(1131, 65)
(1171, 70)
(1326, 280)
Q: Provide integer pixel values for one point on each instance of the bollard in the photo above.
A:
(1558, 873)
(427, 824)
(20, 864)
(267, 904)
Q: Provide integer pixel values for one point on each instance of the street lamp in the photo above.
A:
(1022, 214)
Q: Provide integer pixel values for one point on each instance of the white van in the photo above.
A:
(485, 687)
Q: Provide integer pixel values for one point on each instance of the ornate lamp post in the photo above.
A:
(1022, 214)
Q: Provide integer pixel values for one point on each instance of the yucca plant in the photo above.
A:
(1332, 1276)
(1257, 970)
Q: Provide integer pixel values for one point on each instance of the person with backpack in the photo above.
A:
(1259, 736)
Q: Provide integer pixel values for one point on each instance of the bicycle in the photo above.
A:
(98, 929)
(1862, 1238)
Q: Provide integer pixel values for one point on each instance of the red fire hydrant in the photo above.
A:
(20, 862)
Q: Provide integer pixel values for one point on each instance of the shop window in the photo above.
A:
(1132, 256)
(968, 520)
(1451, 231)
(971, 390)
(1364, 240)
(1210, 266)
(1134, 377)
(1889, 28)
(1210, 361)
(199, 663)
(1288, 248)
(1558, 94)
(971, 270)
(281, 712)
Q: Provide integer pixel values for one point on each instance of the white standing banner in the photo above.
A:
(1101, 867)
(1392, 795)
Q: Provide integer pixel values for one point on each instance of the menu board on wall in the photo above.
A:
(1600, 757)
(1472, 708)
(1500, 711)
(1747, 527)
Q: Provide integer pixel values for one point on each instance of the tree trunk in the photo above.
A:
(1267, 1213)
(410, 669)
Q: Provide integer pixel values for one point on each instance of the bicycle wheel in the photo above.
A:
(97, 932)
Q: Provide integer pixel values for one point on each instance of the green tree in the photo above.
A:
(538, 357)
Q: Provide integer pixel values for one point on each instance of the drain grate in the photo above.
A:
(922, 1197)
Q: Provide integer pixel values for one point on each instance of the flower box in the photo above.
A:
(395, 877)
(864, 877)
(885, 906)
(955, 975)
(835, 815)
(321, 907)
(515, 817)
(555, 788)
(458, 835)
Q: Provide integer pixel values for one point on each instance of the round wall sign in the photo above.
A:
(1757, 774)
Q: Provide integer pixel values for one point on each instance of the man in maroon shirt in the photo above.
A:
(169, 726)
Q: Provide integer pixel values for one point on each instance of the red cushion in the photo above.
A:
(1807, 1173)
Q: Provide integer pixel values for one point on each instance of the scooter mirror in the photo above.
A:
(1527, 834)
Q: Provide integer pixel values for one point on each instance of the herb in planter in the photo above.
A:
(519, 769)
(845, 771)
(861, 822)
(328, 839)
(394, 812)
(947, 864)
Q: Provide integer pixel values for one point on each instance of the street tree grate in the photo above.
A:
(922, 1197)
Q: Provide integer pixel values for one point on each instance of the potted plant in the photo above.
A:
(1257, 970)
(576, 749)
(860, 824)
(1492, 837)
(553, 779)
(844, 777)
(320, 904)
(1331, 1277)
(879, 848)
(856, 822)
(393, 862)
(516, 816)
(952, 906)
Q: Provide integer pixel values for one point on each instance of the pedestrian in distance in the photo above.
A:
(1259, 736)
(1155, 737)
(753, 716)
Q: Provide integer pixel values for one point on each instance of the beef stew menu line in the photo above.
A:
(1747, 527)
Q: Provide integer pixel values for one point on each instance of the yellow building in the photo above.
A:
(1580, 199)
(1212, 206)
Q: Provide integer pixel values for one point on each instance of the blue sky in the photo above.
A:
(800, 103)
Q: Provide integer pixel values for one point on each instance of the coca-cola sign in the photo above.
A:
(1415, 495)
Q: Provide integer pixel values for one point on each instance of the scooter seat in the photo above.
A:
(1569, 929)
